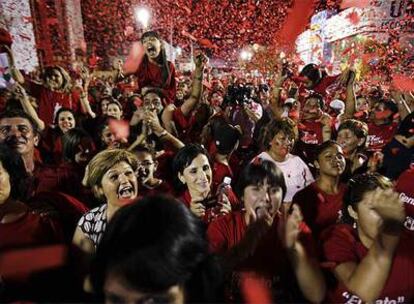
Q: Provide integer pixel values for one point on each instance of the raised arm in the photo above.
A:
(154, 124)
(15, 73)
(21, 94)
(403, 108)
(197, 85)
(84, 101)
(367, 279)
(275, 95)
(307, 271)
(350, 102)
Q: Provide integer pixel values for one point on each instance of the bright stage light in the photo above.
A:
(246, 55)
(143, 16)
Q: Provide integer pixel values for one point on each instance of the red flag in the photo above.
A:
(403, 83)
(355, 3)
(296, 21)
(134, 59)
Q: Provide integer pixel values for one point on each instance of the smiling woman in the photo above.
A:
(111, 175)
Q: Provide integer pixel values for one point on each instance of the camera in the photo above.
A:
(239, 94)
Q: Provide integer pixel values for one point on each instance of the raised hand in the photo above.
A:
(289, 226)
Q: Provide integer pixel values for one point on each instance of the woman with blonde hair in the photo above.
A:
(111, 175)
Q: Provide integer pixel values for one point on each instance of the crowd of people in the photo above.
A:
(194, 188)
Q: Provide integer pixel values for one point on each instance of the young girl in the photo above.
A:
(321, 201)
(370, 255)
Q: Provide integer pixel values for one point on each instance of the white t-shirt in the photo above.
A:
(296, 172)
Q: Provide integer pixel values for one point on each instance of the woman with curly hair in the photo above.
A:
(278, 139)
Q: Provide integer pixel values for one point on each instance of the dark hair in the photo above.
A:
(323, 146)
(317, 96)
(359, 128)
(14, 165)
(312, 72)
(71, 141)
(143, 149)
(259, 171)
(357, 187)
(286, 126)
(61, 110)
(21, 114)
(155, 244)
(162, 58)
(114, 101)
(184, 157)
(406, 127)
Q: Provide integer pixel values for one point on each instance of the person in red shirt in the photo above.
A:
(316, 79)
(260, 241)
(321, 201)
(226, 139)
(182, 119)
(147, 167)
(352, 137)
(370, 255)
(155, 71)
(192, 169)
(56, 92)
(51, 143)
(21, 226)
(405, 187)
(381, 125)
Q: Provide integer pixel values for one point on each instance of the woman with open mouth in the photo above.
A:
(111, 175)
(264, 242)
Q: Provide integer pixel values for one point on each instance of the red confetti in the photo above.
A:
(120, 128)
(353, 17)
(134, 59)
(403, 83)
(355, 3)
(297, 21)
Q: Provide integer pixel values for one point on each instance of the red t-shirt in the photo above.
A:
(183, 123)
(327, 84)
(405, 186)
(220, 172)
(49, 101)
(310, 132)
(51, 145)
(379, 136)
(269, 261)
(150, 75)
(343, 245)
(319, 209)
(30, 230)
